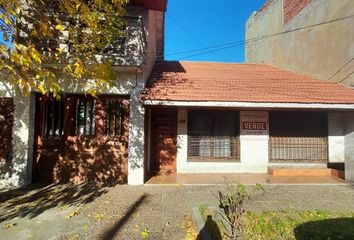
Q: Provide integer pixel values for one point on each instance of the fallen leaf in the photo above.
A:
(73, 214)
(9, 225)
(100, 216)
(145, 233)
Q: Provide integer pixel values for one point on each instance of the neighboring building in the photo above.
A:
(80, 138)
(322, 47)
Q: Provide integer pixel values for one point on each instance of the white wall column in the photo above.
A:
(254, 140)
(182, 140)
(18, 172)
(254, 152)
(136, 140)
(336, 137)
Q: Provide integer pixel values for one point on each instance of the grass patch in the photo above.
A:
(299, 225)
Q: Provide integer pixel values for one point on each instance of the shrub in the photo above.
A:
(232, 201)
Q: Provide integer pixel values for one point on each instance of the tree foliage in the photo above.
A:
(48, 44)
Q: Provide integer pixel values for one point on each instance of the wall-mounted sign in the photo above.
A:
(254, 123)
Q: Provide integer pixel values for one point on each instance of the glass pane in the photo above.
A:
(200, 123)
(224, 129)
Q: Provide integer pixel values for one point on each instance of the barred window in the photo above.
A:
(298, 137)
(52, 117)
(213, 135)
(85, 117)
(114, 116)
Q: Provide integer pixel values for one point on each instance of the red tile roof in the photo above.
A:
(205, 81)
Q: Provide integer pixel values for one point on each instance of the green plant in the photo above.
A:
(232, 201)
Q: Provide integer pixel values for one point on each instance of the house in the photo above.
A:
(80, 138)
(312, 37)
(184, 117)
(235, 118)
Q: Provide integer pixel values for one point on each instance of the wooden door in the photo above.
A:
(164, 140)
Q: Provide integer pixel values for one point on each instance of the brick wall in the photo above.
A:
(293, 7)
(76, 158)
(265, 6)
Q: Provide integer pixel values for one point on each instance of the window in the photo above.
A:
(52, 117)
(298, 137)
(85, 117)
(114, 116)
(213, 136)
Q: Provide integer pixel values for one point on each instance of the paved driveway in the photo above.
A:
(124, 212)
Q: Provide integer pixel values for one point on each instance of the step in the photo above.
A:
(306, 172)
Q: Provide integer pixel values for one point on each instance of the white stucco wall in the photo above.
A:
(136, 140)
(254, 153)
(136, 166)
(336, 137)
(19, 171)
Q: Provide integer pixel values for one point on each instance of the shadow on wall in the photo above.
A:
(336, 228)
(90, 160)
(33, 200)
(15, 170)
(77, 159)
(164, 79)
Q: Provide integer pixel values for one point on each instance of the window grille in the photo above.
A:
(85, 117)
(298, 137)
(52, 117)
(114, 116)
(213, 136)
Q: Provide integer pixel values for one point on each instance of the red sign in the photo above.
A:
(254, 123)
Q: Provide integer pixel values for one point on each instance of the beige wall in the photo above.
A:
(319, 51)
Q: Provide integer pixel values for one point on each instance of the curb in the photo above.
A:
(203, 233)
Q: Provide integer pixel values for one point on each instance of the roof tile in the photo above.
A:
(205, 81)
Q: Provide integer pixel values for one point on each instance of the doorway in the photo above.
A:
(163, 140)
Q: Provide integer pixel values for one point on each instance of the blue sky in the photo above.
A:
(196, 24)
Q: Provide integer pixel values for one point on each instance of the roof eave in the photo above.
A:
(263, 105)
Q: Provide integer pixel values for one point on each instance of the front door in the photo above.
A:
(164, 140)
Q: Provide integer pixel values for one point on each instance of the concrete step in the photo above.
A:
(320, 172)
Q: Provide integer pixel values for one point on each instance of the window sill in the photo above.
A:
(216, 160)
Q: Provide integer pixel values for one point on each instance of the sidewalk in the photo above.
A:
(124, 212)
